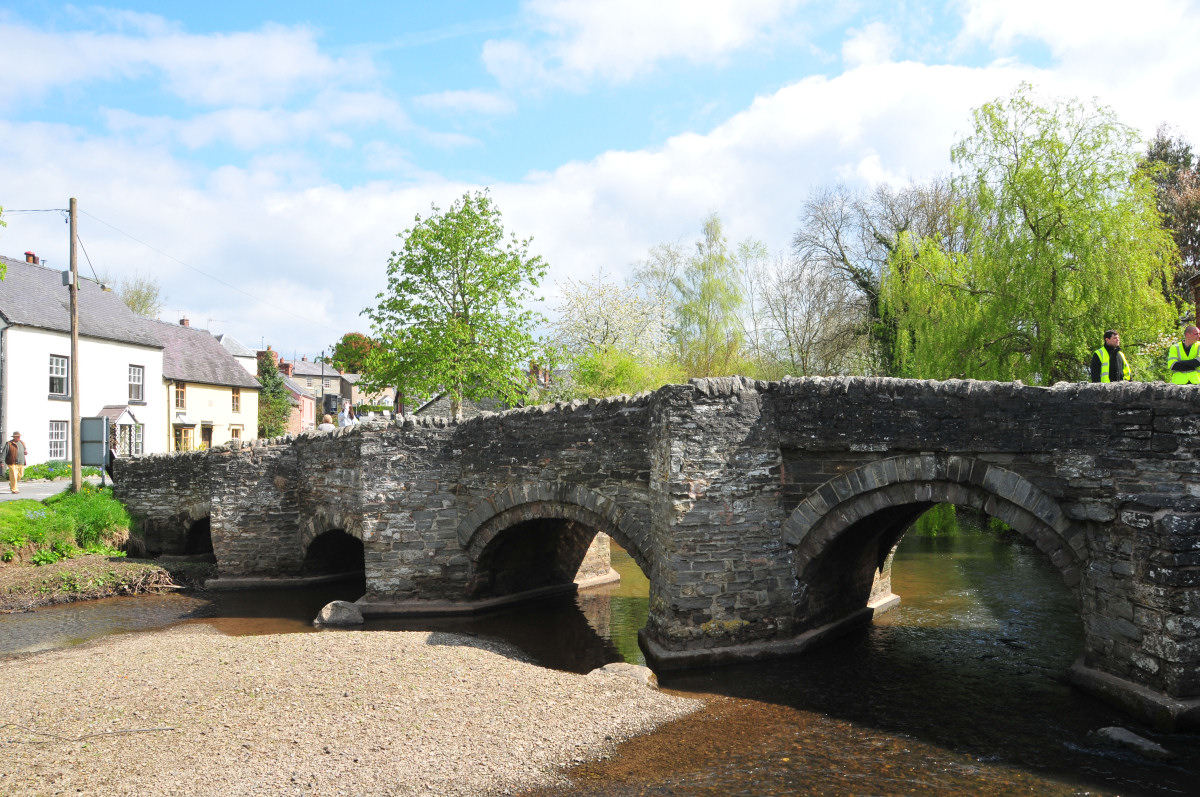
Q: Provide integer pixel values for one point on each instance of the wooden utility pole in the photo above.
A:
(76, 470)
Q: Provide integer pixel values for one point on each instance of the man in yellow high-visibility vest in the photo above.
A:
(1108, 362)
(1184, 358)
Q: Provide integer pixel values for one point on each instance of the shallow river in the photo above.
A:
(960, 691)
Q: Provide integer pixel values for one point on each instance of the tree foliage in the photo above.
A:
(847, 238)
(453, 316)
(274, 402)
(351, 353)
(705, 301)
(142, 294)
(1172, 167)
(611, 338)
(1062, 240)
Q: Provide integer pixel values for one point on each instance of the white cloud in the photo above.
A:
(873, 44)
(473, 101)
(580, 41)
(255, 68)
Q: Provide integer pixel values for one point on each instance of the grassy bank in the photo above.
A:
(68, 548)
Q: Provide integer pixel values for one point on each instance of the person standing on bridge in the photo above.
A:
(1184, 358)
(1108, 362)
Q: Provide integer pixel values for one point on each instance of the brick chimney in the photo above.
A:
(30, 257)
(285, 367)
(183, 322)
(271, 354)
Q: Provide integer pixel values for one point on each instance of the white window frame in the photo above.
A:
(60, 368)
(58, 444)
(236, 399)
(137, 381)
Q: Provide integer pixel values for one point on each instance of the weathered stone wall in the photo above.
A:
(168, 493)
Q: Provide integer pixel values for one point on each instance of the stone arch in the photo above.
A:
(481, 529)
(327, 518)
(861, 515)
(323, 539)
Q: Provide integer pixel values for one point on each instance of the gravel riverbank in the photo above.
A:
(193, 712)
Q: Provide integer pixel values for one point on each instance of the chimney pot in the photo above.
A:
(183, 322)
(303, 358)
(30, 257)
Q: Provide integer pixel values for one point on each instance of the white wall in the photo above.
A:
(103, 378)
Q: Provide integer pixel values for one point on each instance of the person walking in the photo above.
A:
(1184, 358)
(14, 458)
(1108, 362)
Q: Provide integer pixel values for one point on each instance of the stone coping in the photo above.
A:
(661, 659)
(1166, 713)
(264, 582)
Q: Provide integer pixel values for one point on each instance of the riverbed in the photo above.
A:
(962, 690)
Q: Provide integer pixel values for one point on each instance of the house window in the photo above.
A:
(58, 375)
(185, 438)
(237, 399)
(58, 440)
(308, 382)
(235, 433)
(180, 396)
(325, 384)
(137, 376)
(129, 439)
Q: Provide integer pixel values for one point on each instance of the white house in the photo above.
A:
(120, 364)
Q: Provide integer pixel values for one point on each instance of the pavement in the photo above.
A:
(38, 490)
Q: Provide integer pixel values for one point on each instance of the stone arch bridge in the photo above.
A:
(763, 513)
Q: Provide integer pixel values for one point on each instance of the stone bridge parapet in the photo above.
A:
(763, 513)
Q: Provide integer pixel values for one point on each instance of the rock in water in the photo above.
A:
(1119, 737)
(636, 672)
(339, 613)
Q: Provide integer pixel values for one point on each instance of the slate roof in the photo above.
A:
(296, 387)
(235, 346)
(309, 368)
(34, 296)
(194, 355)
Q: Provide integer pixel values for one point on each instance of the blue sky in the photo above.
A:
(258, 159)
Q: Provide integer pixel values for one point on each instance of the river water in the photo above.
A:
(962, 690)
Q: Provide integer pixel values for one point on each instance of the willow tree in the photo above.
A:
(1063, 241)
(454, 317)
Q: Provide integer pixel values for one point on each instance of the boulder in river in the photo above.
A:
(644, 675)
(339, 613)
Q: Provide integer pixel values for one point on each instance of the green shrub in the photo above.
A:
(56, 469)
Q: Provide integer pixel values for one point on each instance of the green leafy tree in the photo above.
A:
(274, 402)
(1062, 241)
(705, 301)
(453, 316)
(352, 352)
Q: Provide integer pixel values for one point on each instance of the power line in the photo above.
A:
(206, 274)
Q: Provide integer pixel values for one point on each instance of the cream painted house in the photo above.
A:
(120, 364)
(210, 397)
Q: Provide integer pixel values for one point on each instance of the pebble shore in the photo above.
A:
(193, 712)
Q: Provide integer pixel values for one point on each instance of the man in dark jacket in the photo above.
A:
(1108, 363)
(14, 458)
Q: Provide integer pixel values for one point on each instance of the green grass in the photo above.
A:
(90, 521)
